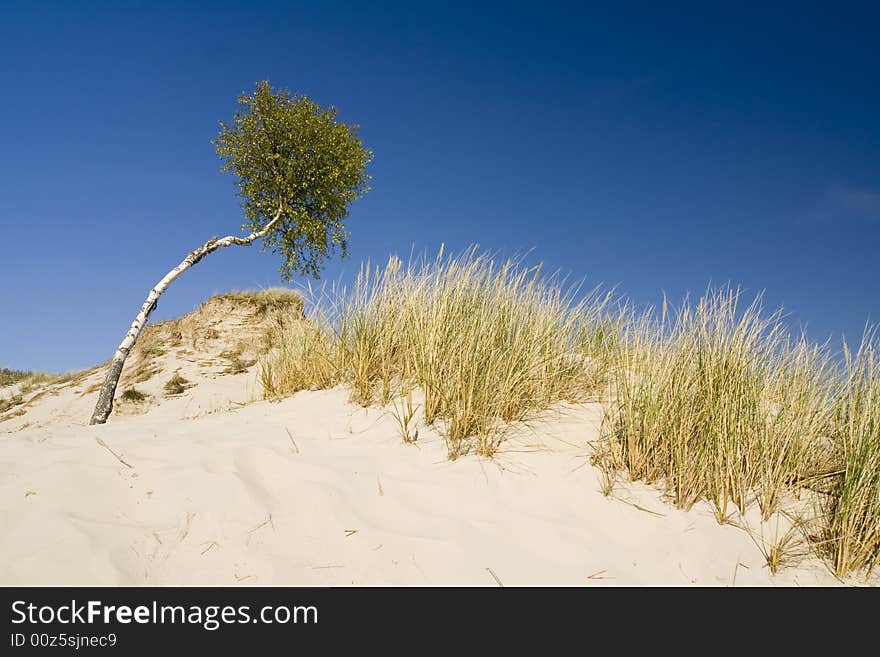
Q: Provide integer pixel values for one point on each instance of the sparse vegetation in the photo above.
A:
(237, 363)
(153, 351)
(176, 385)
(404, 413)
(715, 401)
(720, 405)
(306, 356)
(271, 307)
(852, 507)
(8, 377)
(718, 402)
(786, 545)
(487, 343)
(133, 395)
(153, 344)
(10, 402)
(279, 299)
(142, 372)
(29, 381)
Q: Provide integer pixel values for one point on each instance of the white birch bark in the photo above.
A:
(105, 399)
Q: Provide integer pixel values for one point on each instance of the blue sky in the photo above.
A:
(658, 150)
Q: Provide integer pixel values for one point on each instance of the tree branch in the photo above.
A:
(108, 390)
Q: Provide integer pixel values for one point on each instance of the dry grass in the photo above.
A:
(718, 402)
(236, 361)
(29, 382)
(851, 517)
(273, 299)
(133, 395)
(8, 377)
(143, 371)
(404, 413)
(269, 308)
(95, 387)
(305, 356)
(786, 545)
(715, 401)
(153, 343)
(487, 344)
(10, 402)
(176, 385)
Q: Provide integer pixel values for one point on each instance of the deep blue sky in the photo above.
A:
(652, 149)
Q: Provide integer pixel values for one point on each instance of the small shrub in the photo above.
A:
(176, 385)
(133, 395)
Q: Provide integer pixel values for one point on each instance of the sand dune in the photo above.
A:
(228, 498)
(214, 486)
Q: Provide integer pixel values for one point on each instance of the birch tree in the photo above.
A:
(297, 168)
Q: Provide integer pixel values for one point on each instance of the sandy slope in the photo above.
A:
(206, 488)
(228, 498)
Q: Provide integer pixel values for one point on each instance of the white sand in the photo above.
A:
(213, 492)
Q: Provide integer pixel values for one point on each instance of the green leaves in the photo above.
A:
(288, 152)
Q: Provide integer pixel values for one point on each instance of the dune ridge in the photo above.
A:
(214, 485)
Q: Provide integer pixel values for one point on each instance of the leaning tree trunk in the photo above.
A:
(108, 390)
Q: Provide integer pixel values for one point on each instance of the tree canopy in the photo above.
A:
(293, 157)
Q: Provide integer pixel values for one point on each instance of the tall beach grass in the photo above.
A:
(487, 343)
(852, 509)
(719, 403)
(715, 401)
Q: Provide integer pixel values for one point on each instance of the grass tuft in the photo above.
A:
(278, 299)
(852, 510)
(720, 404)
(176, 385)
(133, 395)
(487, 343)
